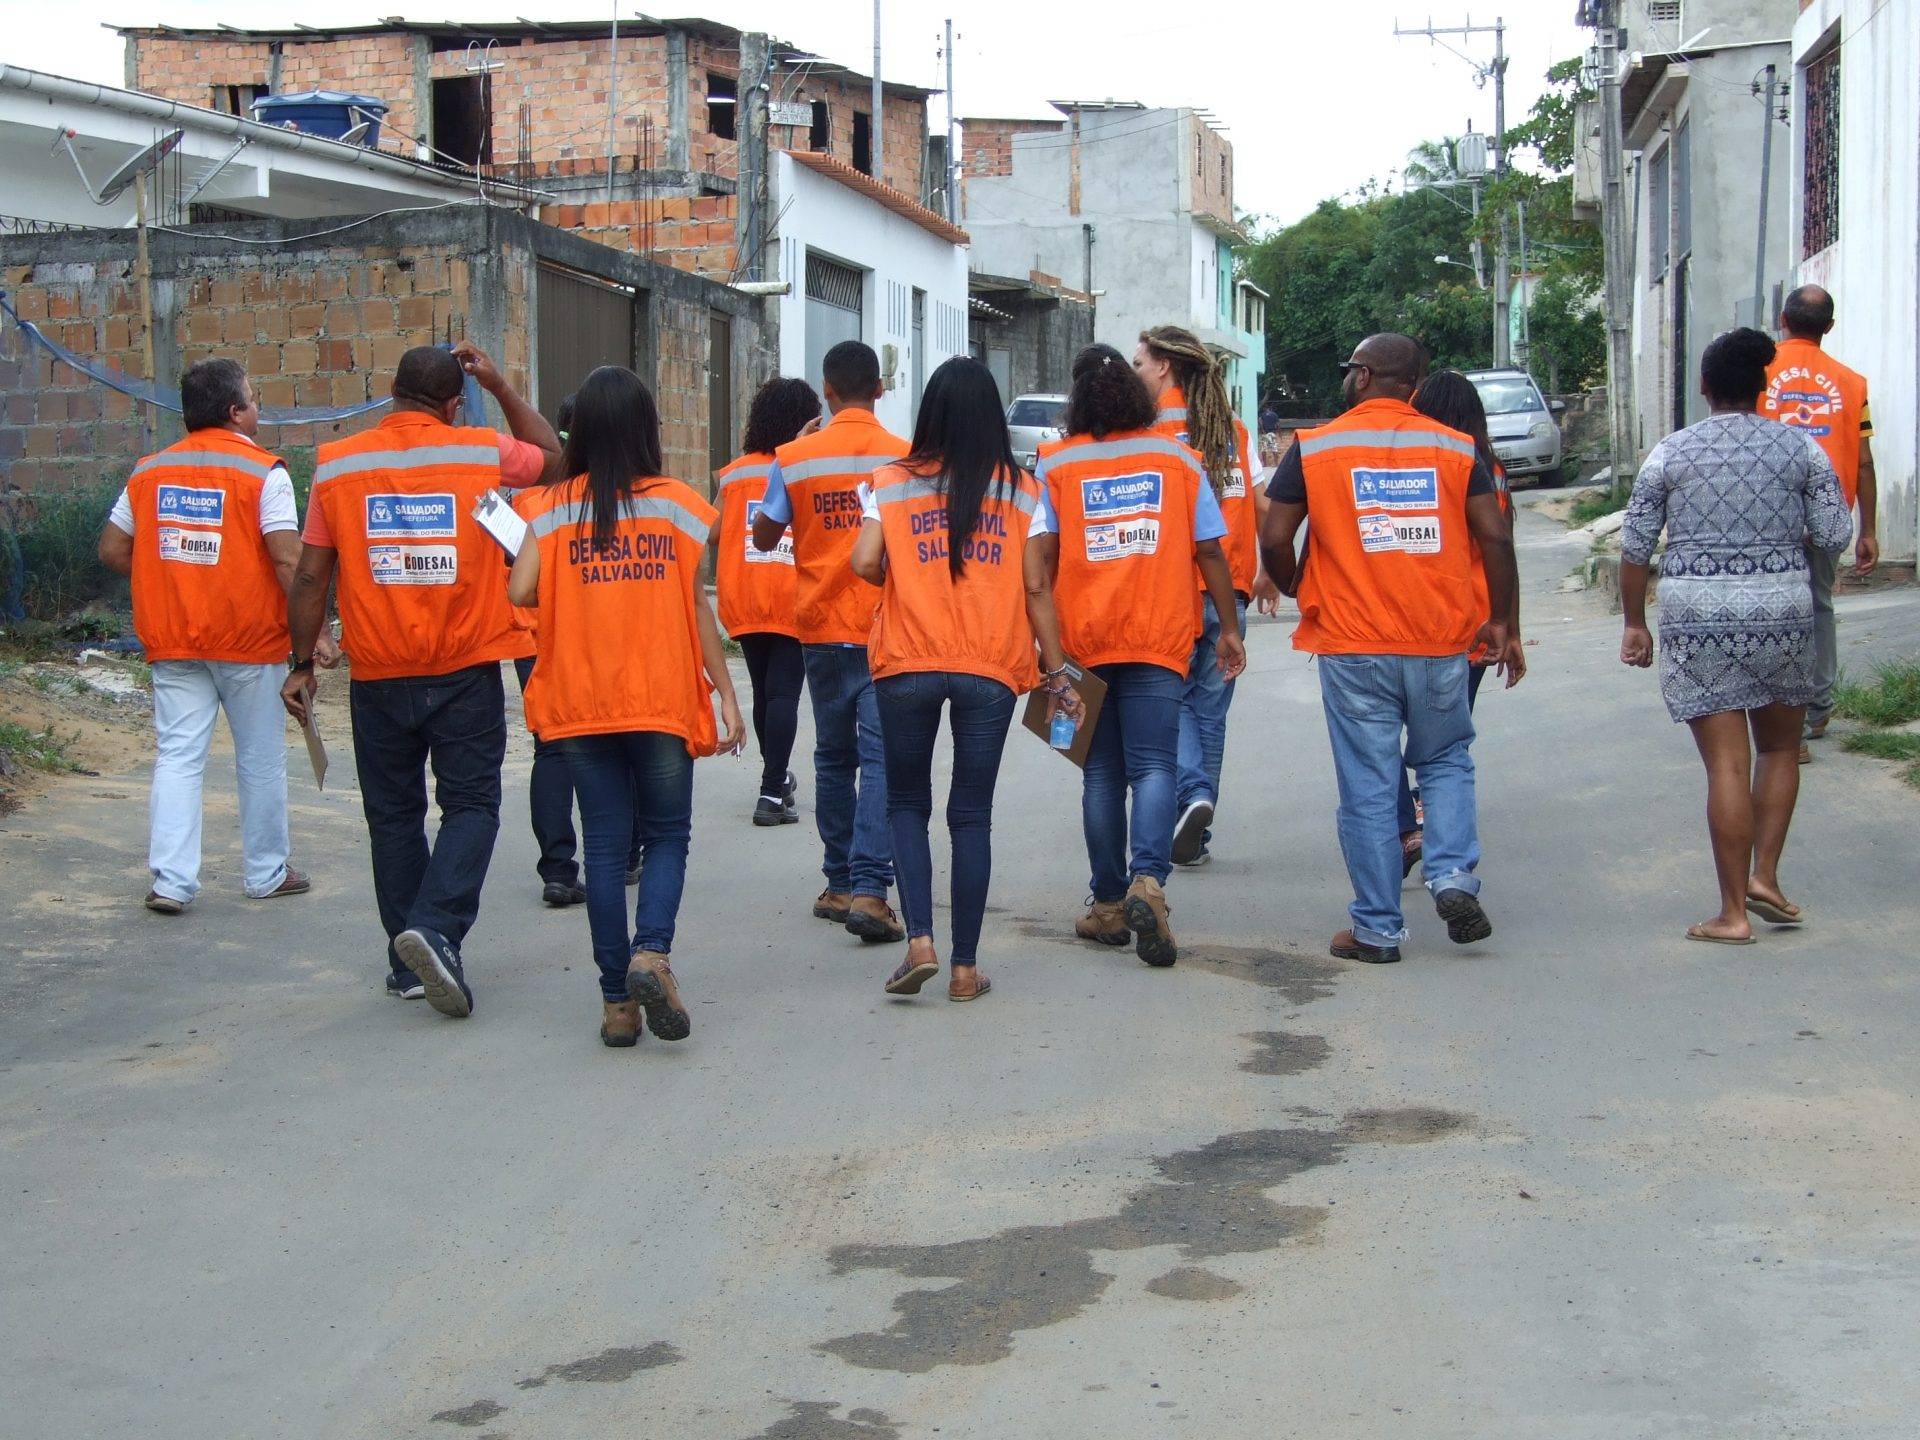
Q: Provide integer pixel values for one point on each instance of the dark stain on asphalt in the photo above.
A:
(1276, 1052)
(1210, 1201)
(1190, 1282)
(608, 1367)
(474, 1415)
(1299, 978)
(815, 1420)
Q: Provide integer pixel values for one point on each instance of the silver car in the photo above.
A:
(1032, 419)
(1524, 428)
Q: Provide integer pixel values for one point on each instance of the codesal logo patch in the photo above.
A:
(1116, 495)
(1123, 538)
(191, 505)
(1409, 489)
(189, 547)
(410, 517)
(414, 564)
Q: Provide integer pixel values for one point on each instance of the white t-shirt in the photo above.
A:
(277, 508)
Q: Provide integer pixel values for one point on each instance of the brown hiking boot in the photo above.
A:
(873, 920)
(294, 883)
(1104, 923)
(619, 1023)
(650, 985)
(1146, 906)
(832, 905)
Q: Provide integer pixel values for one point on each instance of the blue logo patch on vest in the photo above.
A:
(191, 505)
(410, 517)
(1411, 489)
(1116, 495)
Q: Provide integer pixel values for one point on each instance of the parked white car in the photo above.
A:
(1032, 419)
(1524, 428)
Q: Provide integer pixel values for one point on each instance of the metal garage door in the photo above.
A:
(833, 309)
(584, 323)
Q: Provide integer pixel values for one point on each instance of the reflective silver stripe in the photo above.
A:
(1385, 440)
(836, 465)
(416, 459)
(917, 488)
(642, 507)
(1174, 412)
(1120, 450)
(757, 471)
(208, 460)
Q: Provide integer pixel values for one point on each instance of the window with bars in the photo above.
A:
(1663, 12)
(1820, 154)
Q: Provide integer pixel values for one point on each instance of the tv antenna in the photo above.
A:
(142, 164)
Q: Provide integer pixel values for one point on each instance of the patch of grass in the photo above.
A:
(55, 544)
(52, 682)
(41, 749)
(1883, 744)
(1589, 508)
(1892, 698)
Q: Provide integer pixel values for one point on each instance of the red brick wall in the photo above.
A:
(1206, 149)
(986, 146)
(691, 233)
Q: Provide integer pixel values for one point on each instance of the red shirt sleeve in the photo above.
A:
(318, 532)
(521, 461)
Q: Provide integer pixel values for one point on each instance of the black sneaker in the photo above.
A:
(430, 956)
(562, 893)
(1466, 921)
(772, 810)
(405, 985)
(1190, 834)
(787, 803)
(1346, 947)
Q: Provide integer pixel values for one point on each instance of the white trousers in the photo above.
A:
(188, 696)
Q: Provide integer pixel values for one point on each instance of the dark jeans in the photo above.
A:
(550, 801)
(1135, 744)
(778, 672)
(851, 814)
(457, 724)
(1409, 792)
(910, 725)
(636, 783)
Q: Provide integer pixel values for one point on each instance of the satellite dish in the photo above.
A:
(145, 163)
(357, 135)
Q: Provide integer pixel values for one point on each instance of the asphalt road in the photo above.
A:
(1583, 1180)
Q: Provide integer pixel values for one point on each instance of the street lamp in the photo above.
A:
(1449, 260)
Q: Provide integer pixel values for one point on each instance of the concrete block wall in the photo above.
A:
(1207, 150)
(987, 145)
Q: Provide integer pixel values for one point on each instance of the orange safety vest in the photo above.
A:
(823, 472)
(1812, 391)
(929, 620)
(1125, 505)
(423, 589)
(204, 586)
(619, 643)
(1391, 569)
(1238, 506)
(758, 589)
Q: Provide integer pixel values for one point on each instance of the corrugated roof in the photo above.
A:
(900, 203)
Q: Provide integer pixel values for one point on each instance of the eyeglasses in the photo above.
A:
(1347, 365)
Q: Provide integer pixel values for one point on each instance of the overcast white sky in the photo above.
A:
(1317, 96)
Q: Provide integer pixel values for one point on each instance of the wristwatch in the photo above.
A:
(296, 666)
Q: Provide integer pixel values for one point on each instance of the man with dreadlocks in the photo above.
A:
(1187, 384)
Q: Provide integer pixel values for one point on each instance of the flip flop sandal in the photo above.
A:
(1774, 914)
(1695, 933)
(908, 979)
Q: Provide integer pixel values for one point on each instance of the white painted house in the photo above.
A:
(1856, 210)
(865, 262)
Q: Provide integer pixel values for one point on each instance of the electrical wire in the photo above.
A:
(201, 234)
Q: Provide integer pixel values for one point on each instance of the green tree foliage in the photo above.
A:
(1357, 266)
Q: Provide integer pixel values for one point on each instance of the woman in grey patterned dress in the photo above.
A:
(1740, 499)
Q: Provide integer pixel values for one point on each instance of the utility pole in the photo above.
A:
(1526, 300)
(1604, 16)
(953, 165)
(876, 126)
(1766, 173)
(613, 96)
(1497, 72)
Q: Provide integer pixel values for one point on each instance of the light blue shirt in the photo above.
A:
(776, 504)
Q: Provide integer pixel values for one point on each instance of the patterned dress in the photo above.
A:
(1740, 498)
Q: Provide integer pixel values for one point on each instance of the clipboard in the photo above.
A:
(316, 750)
(1092, 691)
(500, 520)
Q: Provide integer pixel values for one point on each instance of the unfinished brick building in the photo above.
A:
(529, 101)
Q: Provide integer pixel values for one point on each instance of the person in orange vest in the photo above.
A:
(758, 592)
(963, 596)
(1389, 604)
(1190, 391)
(1812, 391)
(207, 530)
(1126, 514)
(425, 620)
(629, 655)
(813, 487)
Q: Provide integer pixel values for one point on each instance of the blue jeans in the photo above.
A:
(639, 782)
(910, 722)
(849, 771)
(1203, 713)
(1370, 700)
(1136, 743)
(1409, 814)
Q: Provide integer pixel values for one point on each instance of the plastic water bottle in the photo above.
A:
(1061, 737)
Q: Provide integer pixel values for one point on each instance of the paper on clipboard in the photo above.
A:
(1093, 693)
(316, 750)
(500, 520)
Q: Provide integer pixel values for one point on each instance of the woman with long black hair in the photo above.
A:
(963, 598)
(629, 657)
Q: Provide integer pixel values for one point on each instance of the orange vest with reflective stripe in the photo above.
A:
(758, 589)
(423, 589)
(823, 472)
(975, 624)
(1124, 589)
(1391, 568)
(1812, 391)
(204, 587)
(619, 644)
(1241, 543)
